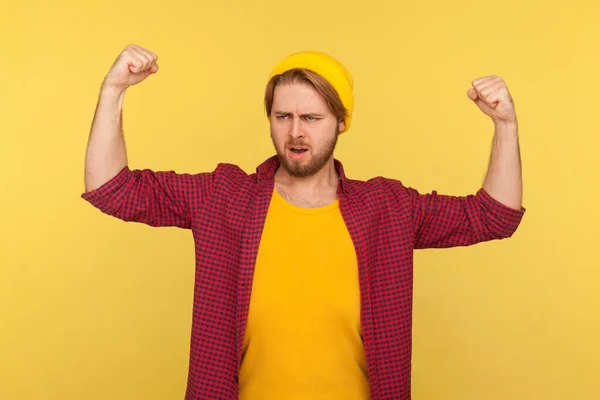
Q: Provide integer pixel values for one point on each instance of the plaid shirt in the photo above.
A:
(226, 209)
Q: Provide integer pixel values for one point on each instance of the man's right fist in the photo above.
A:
(132, 66)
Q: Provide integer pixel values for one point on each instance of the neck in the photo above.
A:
(326, 177)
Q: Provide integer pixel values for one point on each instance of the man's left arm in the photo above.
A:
(503, 181)
(495, 211)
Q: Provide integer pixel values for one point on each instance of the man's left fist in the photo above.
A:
(492, 97)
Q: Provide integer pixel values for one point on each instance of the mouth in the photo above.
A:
(298, 152)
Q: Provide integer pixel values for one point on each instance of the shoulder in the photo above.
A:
(233, 174)
(231, 171)
(378, 186)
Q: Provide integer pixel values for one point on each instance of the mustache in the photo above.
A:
(293, 143)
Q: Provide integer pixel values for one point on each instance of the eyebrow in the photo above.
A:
(285, 113)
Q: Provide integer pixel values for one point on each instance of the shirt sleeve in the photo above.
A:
(162, 198)
(448, 221)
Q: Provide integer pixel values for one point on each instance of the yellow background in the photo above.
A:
(93, 308)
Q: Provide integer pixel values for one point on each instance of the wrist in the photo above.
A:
(112, 90)
(111, 93)
(506, 127)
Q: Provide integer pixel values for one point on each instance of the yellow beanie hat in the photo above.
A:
(329, 68)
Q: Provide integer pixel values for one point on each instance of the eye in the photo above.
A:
(310, 118)
(282, 117)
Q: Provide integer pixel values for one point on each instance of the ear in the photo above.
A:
(341, 126)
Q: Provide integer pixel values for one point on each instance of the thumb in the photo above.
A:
(472, 94)
(483, 106)
(141, 75)
(479, 102)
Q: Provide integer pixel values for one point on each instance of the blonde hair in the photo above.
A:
(321, 85)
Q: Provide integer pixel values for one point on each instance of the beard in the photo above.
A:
(306, 168)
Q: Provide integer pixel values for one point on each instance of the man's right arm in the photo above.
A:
(106, 154)
(154, 198)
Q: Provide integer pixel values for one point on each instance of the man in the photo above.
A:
(303, 282)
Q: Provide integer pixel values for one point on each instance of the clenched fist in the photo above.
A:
(133, 65)
(491, 95)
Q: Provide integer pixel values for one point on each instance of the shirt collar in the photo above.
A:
(266, 173)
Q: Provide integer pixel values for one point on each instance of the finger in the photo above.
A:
(488, 87)
(491, 81)
(483, 86)
(134, 62)
(494, 93)
(138, 49)
(148, 55)
(144, 56)
(153, 67)
(498, 96)
(152, 56)
(479, 81)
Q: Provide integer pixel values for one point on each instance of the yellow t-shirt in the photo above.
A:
(303, 337)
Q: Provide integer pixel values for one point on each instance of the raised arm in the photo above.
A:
(503, 181)
(495, 211)
(106, 154)
(155, 198)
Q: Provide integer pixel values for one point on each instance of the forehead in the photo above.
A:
(298, 96)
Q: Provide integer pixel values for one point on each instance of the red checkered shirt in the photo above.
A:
(226, 210)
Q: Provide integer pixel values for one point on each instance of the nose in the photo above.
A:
(296, 128)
